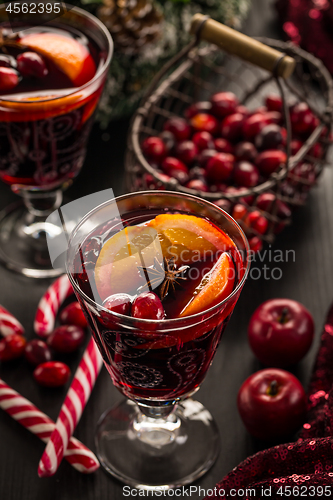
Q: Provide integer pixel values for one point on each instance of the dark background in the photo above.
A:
(308, 278)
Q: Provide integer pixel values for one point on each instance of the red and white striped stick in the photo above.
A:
(28, 415)
(71, 410)
(9, 324)
(49, 305)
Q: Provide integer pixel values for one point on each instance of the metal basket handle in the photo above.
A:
(243, 46)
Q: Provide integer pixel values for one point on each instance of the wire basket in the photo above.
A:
(201, 70)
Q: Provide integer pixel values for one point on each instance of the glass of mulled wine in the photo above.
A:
(158, 286)
(51, 79)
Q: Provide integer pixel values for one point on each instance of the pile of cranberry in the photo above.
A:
(64, 340)
(25, 65)
(220, 146)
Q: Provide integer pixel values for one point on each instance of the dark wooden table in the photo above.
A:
(306, 276)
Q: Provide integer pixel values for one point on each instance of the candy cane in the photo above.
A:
(9, 324)
(71, 410)
(28, 415)
(49, 305)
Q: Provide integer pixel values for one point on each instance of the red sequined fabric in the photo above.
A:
(304, 467)
(309, 23)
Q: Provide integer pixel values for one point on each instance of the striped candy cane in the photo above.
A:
(30, 417)
(9, 324)
(49, 305)
(71, 410)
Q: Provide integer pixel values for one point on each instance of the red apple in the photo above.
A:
(272, 404)
(280, 332)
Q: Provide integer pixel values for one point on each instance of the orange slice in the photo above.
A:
(214, 287)
(118, 265)
(69, 55)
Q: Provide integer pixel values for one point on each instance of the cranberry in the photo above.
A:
(274, 117)
(224, 103)
(301, 118)
(239, 212)
(154, 148)
(295, 146)
(198, 107)
(203, 122)
(73, 315)
(197, 185)
(197, 173)
(269, 161)
(246, 174)
(220, 187)
(169, 140)
(31, 64)
(223, 145)
(270, 137)
(147, 306)
(274, 102)
(52, 374)
(151, 183)
(255, 244)
(245, 151)
(242, 110)
(9, 79)
(186, 152)
(119, 303)
(224, 204)
(266, 202)
(305, 174)
(12, 347)
(7, 61)
(219, 168)
(203, 140)
(205, 155)
(253, 125)
(37, 352)
(175, 168)
(260, 224)
(261, 110)
(231, 126)
(66, 338)
(179, 128)
(316, 151)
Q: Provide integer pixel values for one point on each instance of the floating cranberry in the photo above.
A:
(255, 244)
(198, 107)
(205, 155)
(224, 204)
(270, 137)
(9, 79)
(204, 122)
(231, 126)
(175, 168)
(223, 103)
(147, 306)
(119, 303)
(223, 145)
(52, 374)
(266, 202)
(274, 102)
(220, 167)
(73, 315)
(246, 174)
(66, 338)
(12, 347)
(31, 64)
(245, 151)
(203, 140)
(269, 161)
(37, 352)
(253, 125)
(154, 148)
(198, 185)
(301, 118)
(186, 151)
(179, 128)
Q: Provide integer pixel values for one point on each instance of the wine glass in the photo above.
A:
(43, 138)
(158, 437)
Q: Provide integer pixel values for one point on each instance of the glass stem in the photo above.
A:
(41, 204)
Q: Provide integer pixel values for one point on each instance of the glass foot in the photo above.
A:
(148, 453)
(23, 245)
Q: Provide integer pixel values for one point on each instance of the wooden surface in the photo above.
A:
(307, 277)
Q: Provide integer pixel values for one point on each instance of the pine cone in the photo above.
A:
(132, 23)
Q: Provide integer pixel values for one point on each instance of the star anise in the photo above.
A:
(167, 275)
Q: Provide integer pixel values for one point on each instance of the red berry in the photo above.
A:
(260, 225)
(270, 137)
(245, 151)
(295, 146)
(246, 174)
(203, 122)
(151, 183)
(255, 244)
(269, 161)
(175, 168)
(7, 61)
(119, 303)
(274, 102)
(52, 374)
(12, 347)
(31, 64)
(204, 156)
(223, 103)
(231, 126)
(220, 167)
(37, 352)
(223, 145)
(301, 118)
(274, 117)
(154, 148)
(316, 151)
(147, 306)
(9, 79)
(179, 128)
(203, 140)
(73, 315)
(197, 185)
(242, 110)
(265, 201)
(239, 212)
(186, 151)
(224, 204)
(253, 125)
(66, 338)
(198, 107)
(197, 173)
(305, 174)
(220, 187)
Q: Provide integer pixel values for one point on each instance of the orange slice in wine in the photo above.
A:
(70, 56)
